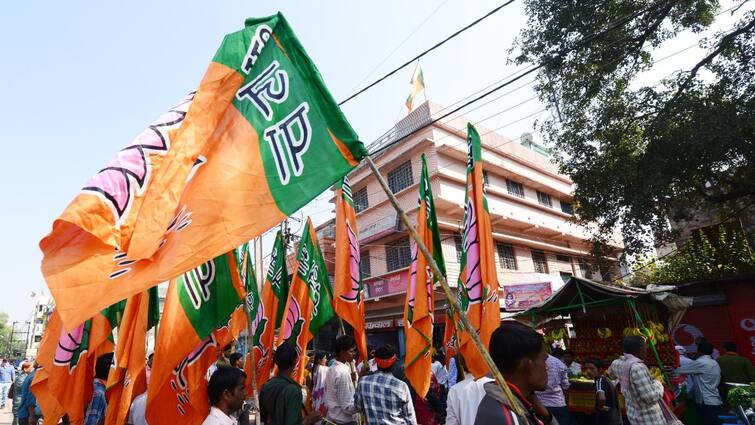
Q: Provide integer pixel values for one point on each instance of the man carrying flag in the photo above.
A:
(348, 297)
(268, 315)
(420, 300)
(195, 323)
(259, 139)
(308, 306)
(478, 281)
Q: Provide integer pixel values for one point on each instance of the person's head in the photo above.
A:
(235, 360)
(102, 366)
(558, 353)
(227, 351)
(150, 358)
(27, 367)
(321, 358)
(346, 348)
(226, 388)
(285, 357)
(705, 348)
(4, 362)
(568, 357)
(635, 345)
(730, 347)
(592, 367)
(519, 352)
(385, 357)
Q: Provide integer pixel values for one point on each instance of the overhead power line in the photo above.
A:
(410, 61)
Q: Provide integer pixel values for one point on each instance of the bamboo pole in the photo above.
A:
(447, 289)
(250, 349)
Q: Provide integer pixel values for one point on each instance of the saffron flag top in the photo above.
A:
(348, 294)
(259, 139)
(308, 306)
(478, 281)
(420, 300)
(197, 304)
(269, 313)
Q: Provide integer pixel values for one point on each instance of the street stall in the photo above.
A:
(592, 318)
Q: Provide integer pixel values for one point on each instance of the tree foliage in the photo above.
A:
(641, 155)
(707, 256)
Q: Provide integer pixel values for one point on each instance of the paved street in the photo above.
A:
(6, 417)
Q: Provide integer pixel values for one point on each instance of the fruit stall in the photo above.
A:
(601, 316)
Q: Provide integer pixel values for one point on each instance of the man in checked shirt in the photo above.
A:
(642, 393)
(385, 399)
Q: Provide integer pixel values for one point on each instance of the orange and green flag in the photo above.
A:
(268, 313)
(68, 357)
(308, 307)
(418, 84)
(128, 378)
(348, 294)
(198, 304)
(420, 300)
(478, 281)
(450, 335)
(47, 401)
(259, 138)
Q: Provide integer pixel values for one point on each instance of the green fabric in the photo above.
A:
(153, 315)
(207, 295)
(252, 302)
(304, 161)
(735, 368)
(426, 193)
(313, 271)
(277, 276)
(281, 401)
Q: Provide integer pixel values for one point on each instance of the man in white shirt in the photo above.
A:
(707, 375)
(138, 411)
(574, 368)
(339, 385)
(227, 392)
(464, 397)
(439, 371)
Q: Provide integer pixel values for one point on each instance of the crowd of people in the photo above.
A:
(337, 391)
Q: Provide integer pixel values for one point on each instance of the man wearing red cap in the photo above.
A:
(383, 398)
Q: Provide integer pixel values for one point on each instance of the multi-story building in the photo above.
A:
(530, 205)
(37, 324)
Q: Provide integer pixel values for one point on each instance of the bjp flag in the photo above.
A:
(267, 315)
(198, 304)
(308, 306)
(450, 335)
(478, 281)
(348, 296)
(259, 139)
(420, 301)
(48, 403)
(69, 359)
(127, 379)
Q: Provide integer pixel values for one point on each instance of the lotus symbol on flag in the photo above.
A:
(294, 322)
(473, 280)
(352, 296)
(69, 347)
(259, 324)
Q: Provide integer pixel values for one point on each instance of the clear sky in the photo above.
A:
(80, 79)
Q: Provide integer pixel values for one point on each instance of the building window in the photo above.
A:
(538, 259)
(562, 257)
(485, 178)
(398, 254)
(364, 264)
(544, 199)
(506, 256)
(361, 202)
(515, 188)
(457, 243)
(585, 269)
(400, 177)
(567, 208)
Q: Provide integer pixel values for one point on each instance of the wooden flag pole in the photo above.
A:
(449, 295)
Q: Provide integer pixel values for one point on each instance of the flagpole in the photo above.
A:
(449, 295)
(250, 348)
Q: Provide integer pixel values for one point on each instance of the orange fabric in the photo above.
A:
(72, 388)
(263, 358)
(348, 300)
(449, 341)
(91, 262)
(123, 383)
(51, 409)
(419, 293)
(485, 316)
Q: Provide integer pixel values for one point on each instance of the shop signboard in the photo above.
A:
(524, 295)
(390, 284)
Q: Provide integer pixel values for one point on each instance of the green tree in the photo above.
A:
(643, 154)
